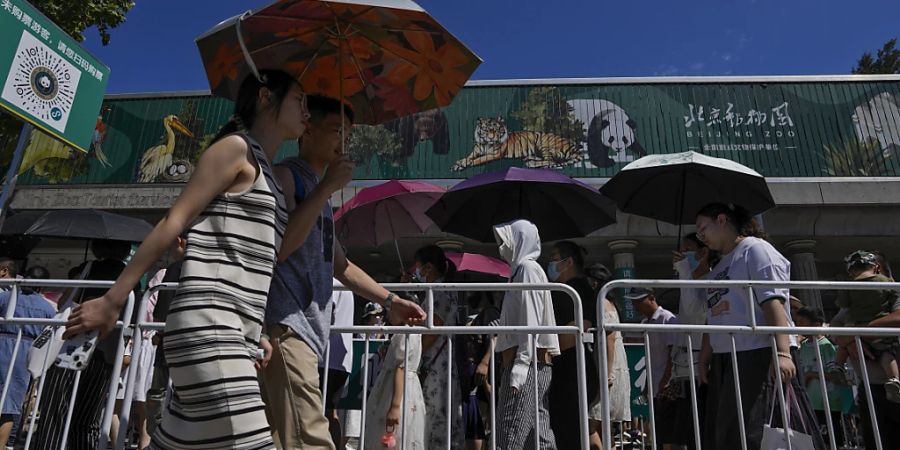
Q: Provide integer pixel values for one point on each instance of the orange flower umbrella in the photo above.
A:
(385, 58)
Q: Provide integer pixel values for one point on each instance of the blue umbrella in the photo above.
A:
(561, 207)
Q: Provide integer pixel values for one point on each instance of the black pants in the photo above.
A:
(90, 398)
(563, 396)
(758, 395)
(563, 405)
(336, 381)
(675, 418)
(836, 422)
(887, 414)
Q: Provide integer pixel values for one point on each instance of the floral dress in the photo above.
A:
(620, 391)
(434, 367)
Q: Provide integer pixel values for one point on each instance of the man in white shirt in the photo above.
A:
(645, 304)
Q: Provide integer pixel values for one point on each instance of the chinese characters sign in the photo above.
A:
(48, 79)
(708, 127)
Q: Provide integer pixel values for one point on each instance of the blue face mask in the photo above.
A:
(553, 270)
(417, 276)
(691, 258)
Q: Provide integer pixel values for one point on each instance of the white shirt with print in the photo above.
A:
(753, 259)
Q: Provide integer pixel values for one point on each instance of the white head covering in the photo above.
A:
(520, 246)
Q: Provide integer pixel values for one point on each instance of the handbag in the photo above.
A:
(775, 438)
(47, 345)
(424, 369)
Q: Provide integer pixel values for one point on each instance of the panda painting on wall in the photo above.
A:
(611, 133)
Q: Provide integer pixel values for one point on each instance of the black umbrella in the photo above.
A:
(77, 224)
(674, 187)
(562, 208)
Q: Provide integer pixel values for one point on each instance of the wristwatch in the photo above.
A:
(388, 301)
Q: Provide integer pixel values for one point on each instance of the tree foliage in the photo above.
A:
(885, 61)
(545, 110)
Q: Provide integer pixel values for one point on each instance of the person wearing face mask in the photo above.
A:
(432, 266)
(520, 246)
(567, 266)
(731, 230)
(692, 261)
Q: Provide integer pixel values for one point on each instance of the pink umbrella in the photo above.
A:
(472, 262)
(385, 212)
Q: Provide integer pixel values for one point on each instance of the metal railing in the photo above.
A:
(10, 319)
(753, 328)
(428, 329)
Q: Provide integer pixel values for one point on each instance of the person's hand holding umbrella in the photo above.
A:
(337, 176)
(339, 173)
(702, 256)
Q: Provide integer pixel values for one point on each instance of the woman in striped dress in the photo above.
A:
(233, 210)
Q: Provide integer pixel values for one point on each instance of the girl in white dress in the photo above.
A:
(384, 410)
(619, 379)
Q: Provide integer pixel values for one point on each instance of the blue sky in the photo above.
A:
(154, 50)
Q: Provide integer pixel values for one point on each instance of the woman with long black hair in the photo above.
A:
(234, 214)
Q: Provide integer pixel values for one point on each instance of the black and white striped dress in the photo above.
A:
(215, 319)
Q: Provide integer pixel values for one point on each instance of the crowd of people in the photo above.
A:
(247, 347)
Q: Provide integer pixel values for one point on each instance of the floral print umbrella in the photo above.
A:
(385, 58)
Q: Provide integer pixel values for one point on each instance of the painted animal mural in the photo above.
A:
(157, 160)
(493, 142)
(611, 133)
(878, 120)
(421, 127)
(50, 158)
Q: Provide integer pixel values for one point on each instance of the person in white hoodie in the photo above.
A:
(520, 246)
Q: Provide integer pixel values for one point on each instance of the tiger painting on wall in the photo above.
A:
(493, 142)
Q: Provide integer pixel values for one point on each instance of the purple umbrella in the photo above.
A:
(561, 207)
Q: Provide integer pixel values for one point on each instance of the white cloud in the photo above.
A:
(726, 57)
(666, 71)
(697, 66)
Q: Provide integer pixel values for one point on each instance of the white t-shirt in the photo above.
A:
(659, 345)
(341, 353)
(752, 259)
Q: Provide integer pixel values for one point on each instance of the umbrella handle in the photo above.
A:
(247, 58)
(399, 257)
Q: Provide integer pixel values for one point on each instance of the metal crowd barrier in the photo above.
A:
(9, 319)
(752, 329)
(429, 328)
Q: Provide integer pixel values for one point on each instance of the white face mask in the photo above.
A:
(417, 276)
(506, 252)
